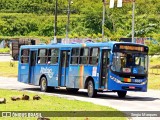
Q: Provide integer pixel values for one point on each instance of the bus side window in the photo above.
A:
(94, 55)
(75, 56)
(25, 56)
(84, 55)
(42, 56)
(53, 56)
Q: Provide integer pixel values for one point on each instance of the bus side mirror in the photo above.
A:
(49, 62)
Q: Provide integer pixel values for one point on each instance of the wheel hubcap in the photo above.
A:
(43, 84)
(90, 89)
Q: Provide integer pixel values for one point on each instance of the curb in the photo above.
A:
(4, 54)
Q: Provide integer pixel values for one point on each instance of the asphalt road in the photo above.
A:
(5, 57)
(134, 101)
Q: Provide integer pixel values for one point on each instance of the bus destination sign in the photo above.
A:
(132, 48)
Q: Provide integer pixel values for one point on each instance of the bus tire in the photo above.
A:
(91, 91)
(15, 57)
(122, 94)
(72, 90)
(43, 84)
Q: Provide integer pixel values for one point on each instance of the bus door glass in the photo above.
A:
(32, 66)
(24, 66)
(104, 68)
(64, 67)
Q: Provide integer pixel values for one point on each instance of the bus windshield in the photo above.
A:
(133, 63)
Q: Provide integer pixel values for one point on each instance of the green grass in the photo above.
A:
(9, 69)
(51, 103)
(4, 50)
(154, 61)
(154, 81)
(154, 73)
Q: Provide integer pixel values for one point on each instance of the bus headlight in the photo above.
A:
(144, 82)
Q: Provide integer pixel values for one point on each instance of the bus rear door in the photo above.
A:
(64, 67)
(32, 66)
(104, 68)
(23, 68)
(26, 66)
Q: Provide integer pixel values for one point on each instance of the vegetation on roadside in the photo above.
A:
(154, 73)
(153, 81)
(4, 50)
(52, 103)
(9, 69)
(36, 17)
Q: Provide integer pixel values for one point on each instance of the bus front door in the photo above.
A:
(32, 66)
(104, 68)
(64, 67)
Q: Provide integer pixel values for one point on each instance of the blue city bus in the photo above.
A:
(98, 67)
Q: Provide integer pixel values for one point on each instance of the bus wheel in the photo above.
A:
(122, 94)
(43, 84)
(72, 90)
(15, 57)
(91, 91)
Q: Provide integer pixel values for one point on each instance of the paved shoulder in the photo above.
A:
(5, 57)
(12, 83)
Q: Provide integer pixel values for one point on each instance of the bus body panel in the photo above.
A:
(93, 73)
(51, 73)
(23, 73)
(79, 74)
(73, 76)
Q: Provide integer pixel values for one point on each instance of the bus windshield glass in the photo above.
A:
(131, 63)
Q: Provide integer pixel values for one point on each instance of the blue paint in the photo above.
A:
(69, 76)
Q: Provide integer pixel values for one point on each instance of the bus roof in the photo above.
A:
(72, 45)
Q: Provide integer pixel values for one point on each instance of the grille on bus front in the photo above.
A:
(131, 82)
